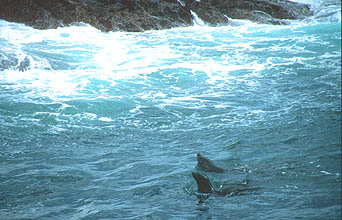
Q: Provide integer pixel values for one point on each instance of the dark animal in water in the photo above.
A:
(205, 186)
(205, 164)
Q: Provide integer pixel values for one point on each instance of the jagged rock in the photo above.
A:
(262, 11)
(132, 15)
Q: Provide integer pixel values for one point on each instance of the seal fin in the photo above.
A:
(205, 164)
(203, 183)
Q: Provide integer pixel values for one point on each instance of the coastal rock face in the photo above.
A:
(134, 15)
(261, 11)
(106, 15)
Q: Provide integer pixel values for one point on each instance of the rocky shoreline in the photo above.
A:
(142, 15)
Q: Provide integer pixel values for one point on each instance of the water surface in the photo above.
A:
(107, 125)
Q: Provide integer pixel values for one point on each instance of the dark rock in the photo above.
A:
(132, 15)
(262, 11)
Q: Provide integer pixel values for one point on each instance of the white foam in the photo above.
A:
(325, 172)
(197, 20)
(106, 119)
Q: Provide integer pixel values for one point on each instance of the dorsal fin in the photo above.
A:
(203, 183)
(204, 163)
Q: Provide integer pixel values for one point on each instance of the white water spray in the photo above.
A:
(196, 20)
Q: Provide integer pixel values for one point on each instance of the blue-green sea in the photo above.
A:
(98, 125)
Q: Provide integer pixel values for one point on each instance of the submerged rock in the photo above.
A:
(132, 15)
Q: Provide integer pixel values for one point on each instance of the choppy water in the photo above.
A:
(107, 125)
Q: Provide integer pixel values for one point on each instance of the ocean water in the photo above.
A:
(100, 125)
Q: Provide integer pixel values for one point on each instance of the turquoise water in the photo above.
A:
(107, 125)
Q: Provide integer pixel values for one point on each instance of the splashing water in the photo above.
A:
(100, 125)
